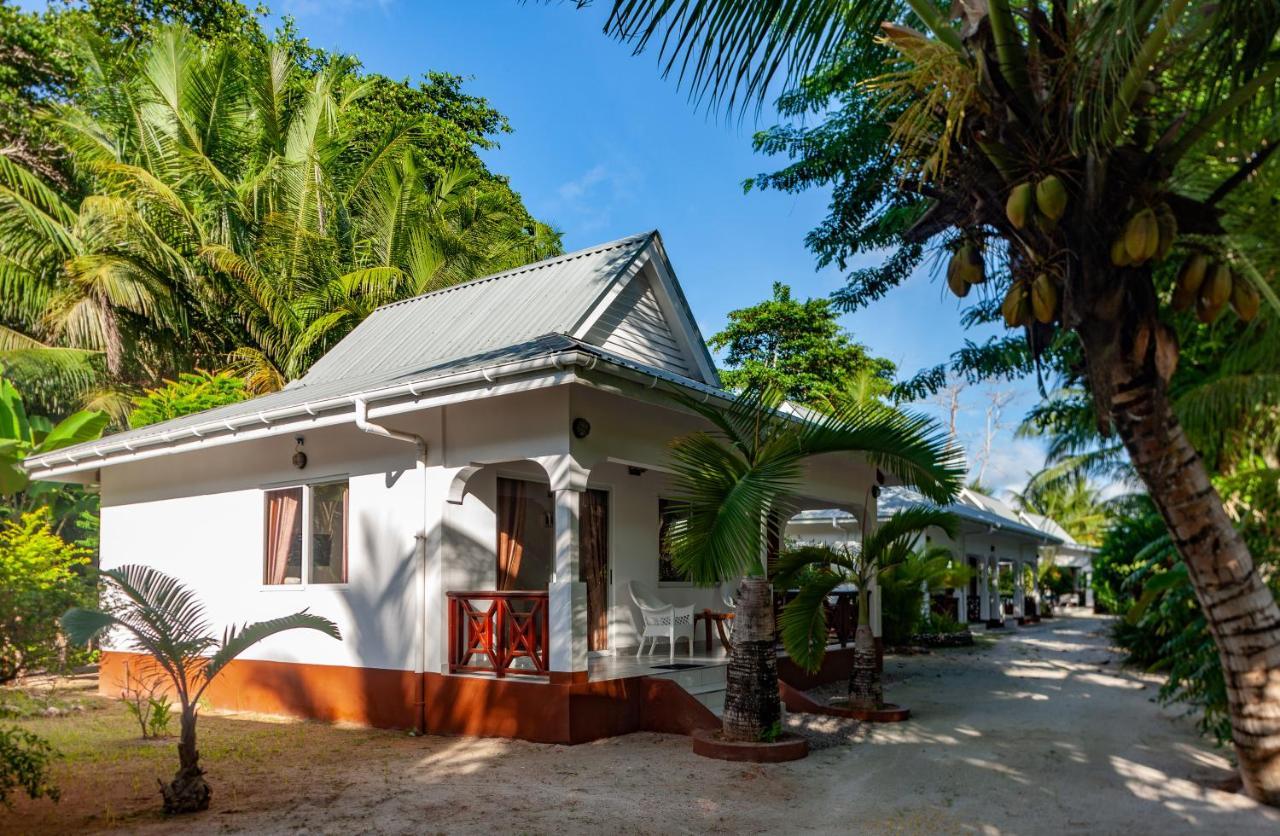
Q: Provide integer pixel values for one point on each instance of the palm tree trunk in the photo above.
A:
(1241, 612)
(751, 705)
(189, 792)
(866, 691)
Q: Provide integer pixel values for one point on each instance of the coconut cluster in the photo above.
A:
(1210, 286)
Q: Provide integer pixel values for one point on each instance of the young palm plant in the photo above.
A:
(737, 483)
(165, 620)
(804, 618)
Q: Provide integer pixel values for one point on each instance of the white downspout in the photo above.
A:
(420, 444)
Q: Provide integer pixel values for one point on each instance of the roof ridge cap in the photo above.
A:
(533, 265)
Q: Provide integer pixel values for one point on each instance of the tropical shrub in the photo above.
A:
(192, 392)
(939, 623)
(887, 554)
(24, 765)
(902, 592)
(41, 575)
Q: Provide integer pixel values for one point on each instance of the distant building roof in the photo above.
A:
(971, 506)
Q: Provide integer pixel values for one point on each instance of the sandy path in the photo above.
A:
(1039, 733)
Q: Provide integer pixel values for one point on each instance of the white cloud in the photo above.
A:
(585, 203)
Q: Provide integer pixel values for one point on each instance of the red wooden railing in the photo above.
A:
(490, 632)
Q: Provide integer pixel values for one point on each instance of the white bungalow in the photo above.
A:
(1069, 554)
(991, 538)
(469, 484)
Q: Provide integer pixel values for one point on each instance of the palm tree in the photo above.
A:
(883, 548)
(1073, 149)
(165, 620)
(736, 484)
(1073, 503)
(228, 209)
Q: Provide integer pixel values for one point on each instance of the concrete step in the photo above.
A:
(713, 700)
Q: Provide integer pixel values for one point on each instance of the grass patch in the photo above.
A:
(107, 773)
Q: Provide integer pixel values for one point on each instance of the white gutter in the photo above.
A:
(420, 446)
(309, 414)
(266, 423)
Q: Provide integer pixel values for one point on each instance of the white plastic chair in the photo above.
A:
(661, 620)
(727, 591)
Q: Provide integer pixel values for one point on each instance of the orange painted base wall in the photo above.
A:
(570, 712)
(555, 712)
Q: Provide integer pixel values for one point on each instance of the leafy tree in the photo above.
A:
(884, 548)
(162, 618)
(799, 349)
(1061, 156)
(1074, 504)
(41, 575)
(35, 65)
(235, 200)
(192, 392)
(737, 484)
(24, 765)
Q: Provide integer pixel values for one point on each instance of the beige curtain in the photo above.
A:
(346, 517)
(593, 556)
(283, 508)
(511, 524)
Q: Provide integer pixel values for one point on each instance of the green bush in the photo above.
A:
(24, 765)
(41, 576)
(192, 392)
(941, 623)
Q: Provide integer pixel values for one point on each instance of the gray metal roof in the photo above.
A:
(968, 508)
(547, 297)
(522, 314)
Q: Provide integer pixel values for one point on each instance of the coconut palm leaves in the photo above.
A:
(160, 617)
(738, 481)
(226, 213)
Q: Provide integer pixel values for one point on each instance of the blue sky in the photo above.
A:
(603, 147)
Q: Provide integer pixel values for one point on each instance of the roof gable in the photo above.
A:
(619, 296)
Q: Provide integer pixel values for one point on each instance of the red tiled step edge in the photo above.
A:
(798, 701)
(788, 747)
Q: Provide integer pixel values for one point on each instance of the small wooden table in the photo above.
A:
(709, 616)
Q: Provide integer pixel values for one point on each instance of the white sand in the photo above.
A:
(1032, 735)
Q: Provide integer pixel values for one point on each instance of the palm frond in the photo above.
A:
(803, 621)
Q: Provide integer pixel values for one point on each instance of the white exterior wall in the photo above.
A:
(200, 516)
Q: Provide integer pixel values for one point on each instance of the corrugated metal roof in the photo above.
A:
(551, 296)
(968, 507)
(338, 394)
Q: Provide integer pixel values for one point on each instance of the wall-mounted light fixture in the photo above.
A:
(299, 457)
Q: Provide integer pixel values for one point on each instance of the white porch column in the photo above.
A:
(872, 510)
(1035, 581)
(1019, 588)
(962, 607)
(567, 595)
(984, 588)
(993, 596)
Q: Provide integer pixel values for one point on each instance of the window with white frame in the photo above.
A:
(320, 510)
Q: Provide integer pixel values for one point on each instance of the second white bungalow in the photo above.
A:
(472, 484)
(991, 539)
